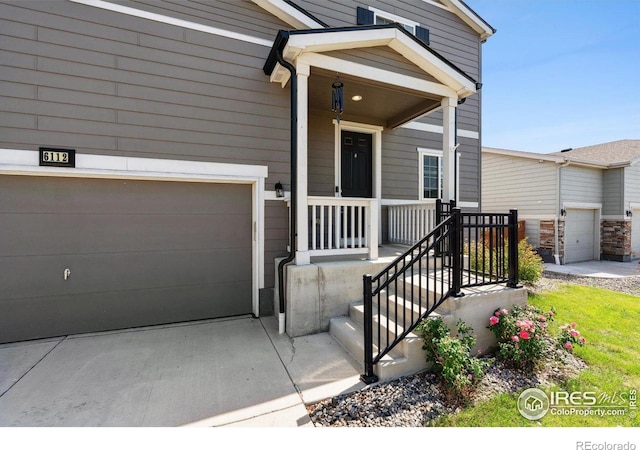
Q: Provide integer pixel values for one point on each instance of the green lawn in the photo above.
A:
(610, 322)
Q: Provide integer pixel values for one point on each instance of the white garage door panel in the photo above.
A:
(635, 233)
(579, 235)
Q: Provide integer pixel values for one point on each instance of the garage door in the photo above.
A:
(579, 235)
(137, 253)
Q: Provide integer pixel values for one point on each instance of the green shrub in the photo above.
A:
(530, 264)
(483, 260)
(458, 371)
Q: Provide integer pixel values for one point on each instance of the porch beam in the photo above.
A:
(413, 113)
(372, 73)
(302, 220)
(448, 147)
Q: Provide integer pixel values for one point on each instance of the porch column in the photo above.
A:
(448, 147)
(302, 219)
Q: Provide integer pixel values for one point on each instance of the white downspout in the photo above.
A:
(556, 255)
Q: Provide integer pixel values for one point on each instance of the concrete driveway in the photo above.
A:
(236, 372)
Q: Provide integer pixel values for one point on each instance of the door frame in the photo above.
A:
(25, 162)
(376, 157)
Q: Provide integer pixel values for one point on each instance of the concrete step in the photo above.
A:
(351, 335)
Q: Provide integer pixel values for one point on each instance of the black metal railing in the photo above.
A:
(464, 250)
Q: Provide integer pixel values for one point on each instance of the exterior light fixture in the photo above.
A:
(279, 190)
(628, 213)
(356, 98)
(563, 212)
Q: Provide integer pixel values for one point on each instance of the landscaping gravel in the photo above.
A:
(628, 285)
(417, 400)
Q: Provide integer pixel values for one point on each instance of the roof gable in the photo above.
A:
(622, 152)
(299, 18)
(294, 43)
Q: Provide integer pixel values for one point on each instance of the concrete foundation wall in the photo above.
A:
(319, 291)
(476, 307)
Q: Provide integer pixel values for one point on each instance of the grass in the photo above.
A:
(610, 321)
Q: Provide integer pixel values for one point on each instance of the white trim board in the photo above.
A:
(25, 163)
(288, 14)
(173, 21)
(439, 129)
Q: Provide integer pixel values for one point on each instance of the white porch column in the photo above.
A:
(302, 219)
(448, 151)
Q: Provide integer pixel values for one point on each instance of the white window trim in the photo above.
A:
(393, 18)
(433, 152)
(25, 162)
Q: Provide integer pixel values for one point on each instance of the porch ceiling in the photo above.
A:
(387, 105)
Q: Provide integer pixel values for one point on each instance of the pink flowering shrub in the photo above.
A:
(570, 337)
(521, 334)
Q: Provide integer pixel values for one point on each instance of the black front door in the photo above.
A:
(356, 161)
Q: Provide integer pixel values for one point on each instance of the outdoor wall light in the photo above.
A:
(279, 190)
(563, 212)
(628, 213)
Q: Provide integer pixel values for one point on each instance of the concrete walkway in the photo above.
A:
(597, 269)
(234, 372)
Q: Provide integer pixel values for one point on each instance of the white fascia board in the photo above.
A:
(342, 40)
(25, 162)
(288, 14)
(468, 17)
(432, 65)
(391, 37)
(521, 154)
(375, 74)
(108, 6)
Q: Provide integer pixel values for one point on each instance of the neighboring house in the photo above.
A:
(579, 204)
(179, 114)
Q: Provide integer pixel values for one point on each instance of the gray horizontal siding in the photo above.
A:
(631, 185)
(241, 16)
(532, 231)
(518, 183)
(276, 230)
(448, 34)
(613, 185)
(80, 77)
(382, 58)
(581, 184)
(321, 174)
(469, 171)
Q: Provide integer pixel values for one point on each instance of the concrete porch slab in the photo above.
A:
(317, 364)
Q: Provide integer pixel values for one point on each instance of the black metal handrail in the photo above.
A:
(390, 294)
(464, 250)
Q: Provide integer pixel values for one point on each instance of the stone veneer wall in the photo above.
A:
(615, 240)
(548, 236)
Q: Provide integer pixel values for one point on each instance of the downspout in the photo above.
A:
(294, 185)
(556, 255)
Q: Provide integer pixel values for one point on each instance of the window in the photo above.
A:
(372, 16)
(431, 173)
(383, 18)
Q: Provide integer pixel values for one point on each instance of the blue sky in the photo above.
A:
(560, 73)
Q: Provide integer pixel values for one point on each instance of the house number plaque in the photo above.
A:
(57, 157)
